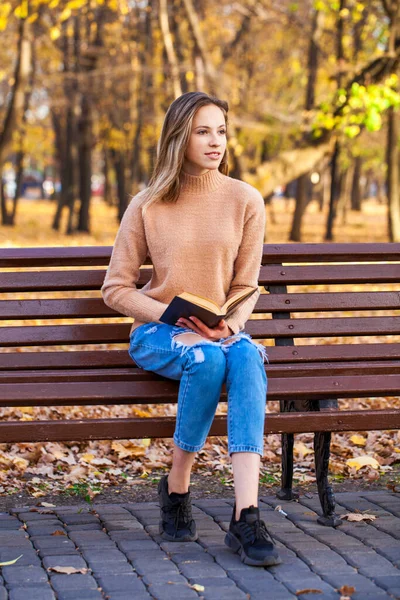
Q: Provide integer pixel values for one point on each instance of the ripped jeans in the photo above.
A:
(202, 368)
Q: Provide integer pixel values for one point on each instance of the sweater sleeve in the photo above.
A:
(129, 253)
(248, 262)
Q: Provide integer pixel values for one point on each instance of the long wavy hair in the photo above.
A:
(164, 184)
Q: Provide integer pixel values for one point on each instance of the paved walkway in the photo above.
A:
(122, 557)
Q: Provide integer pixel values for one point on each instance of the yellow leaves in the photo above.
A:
(55, 33)
(66, 13)
(301, 450)
(189, 75)
(22, 10)
(5, 10)
(362, 461)
(358, 440)
(125, 449)
(87, 457)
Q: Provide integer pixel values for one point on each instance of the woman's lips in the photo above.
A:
(213, 154)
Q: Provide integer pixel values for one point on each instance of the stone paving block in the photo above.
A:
(82, 595)
(106, 556)
(35, 516)
(360, 583)
(128, 545)
(111, 569)
(33, 593)
(193, 557)
(86, 536)
(52, 551)
(121, 583)
(137, 534)
(53, 541)
(29, 557)
(201, 569)
(178, 592)
(66, 583)
(174, 547)
(24, 575)
(143, 566)
(124, 596)
(64, 561)
(35, 530)
(307, 583)
(387, 581)
(160, 578)
(83, 527)
(79, 519)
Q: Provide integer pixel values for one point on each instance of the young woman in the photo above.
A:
(204, 232)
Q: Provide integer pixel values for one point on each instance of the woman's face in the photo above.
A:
(207, 141)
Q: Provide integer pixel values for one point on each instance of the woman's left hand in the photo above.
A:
(216, 333)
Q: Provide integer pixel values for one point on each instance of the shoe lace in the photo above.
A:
(253, 532)
(180, 511)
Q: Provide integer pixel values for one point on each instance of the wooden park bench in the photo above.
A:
(305, 374)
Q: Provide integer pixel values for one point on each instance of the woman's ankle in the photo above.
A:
(179, 487)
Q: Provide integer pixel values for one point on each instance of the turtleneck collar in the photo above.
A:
(201, 184)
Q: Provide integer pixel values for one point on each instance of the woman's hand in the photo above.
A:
(216, 333)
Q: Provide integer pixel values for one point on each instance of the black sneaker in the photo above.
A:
(176, 523)
(250, 538)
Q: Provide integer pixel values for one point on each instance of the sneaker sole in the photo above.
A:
(233, 543)
(170, 538)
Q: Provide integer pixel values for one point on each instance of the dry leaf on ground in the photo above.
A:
(362, 461)
(358, 440)
(68, 570)
(308, 591)
(58, 532)
(197, 587)
(358, 517)
(10, 562)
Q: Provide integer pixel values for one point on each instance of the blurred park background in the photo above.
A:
(312, 88)
(314, 96)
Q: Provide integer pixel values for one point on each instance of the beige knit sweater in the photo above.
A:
(208, 243)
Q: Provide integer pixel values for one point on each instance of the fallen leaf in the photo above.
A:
(47, 504)
(358, 440)
(197, 587)
(362, 461)
(68, 570)
(358, 517)
(58, 532)
(347, 590)
(10, 562)
(301, 449)
(308, 591)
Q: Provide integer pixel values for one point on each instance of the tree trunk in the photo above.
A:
(303, 181)
(393, 184)
(85, 164)
(302, 200)
(169, 48)
(356, 186)
(16, 104)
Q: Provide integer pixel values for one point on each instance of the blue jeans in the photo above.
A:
(202, 368)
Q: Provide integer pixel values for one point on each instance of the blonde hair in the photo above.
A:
(164, 184)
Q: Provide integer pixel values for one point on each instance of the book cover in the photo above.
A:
(189, 305)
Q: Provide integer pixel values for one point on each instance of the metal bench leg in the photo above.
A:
(322, 444)
(286, 492)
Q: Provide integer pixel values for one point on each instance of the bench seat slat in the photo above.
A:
(159, 392)
(259, 329)
(15, 361)
(273, 253)
(95, 307)
(136, 374)
(163, 427)
(269, 275)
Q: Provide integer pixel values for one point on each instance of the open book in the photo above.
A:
(190, 305)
